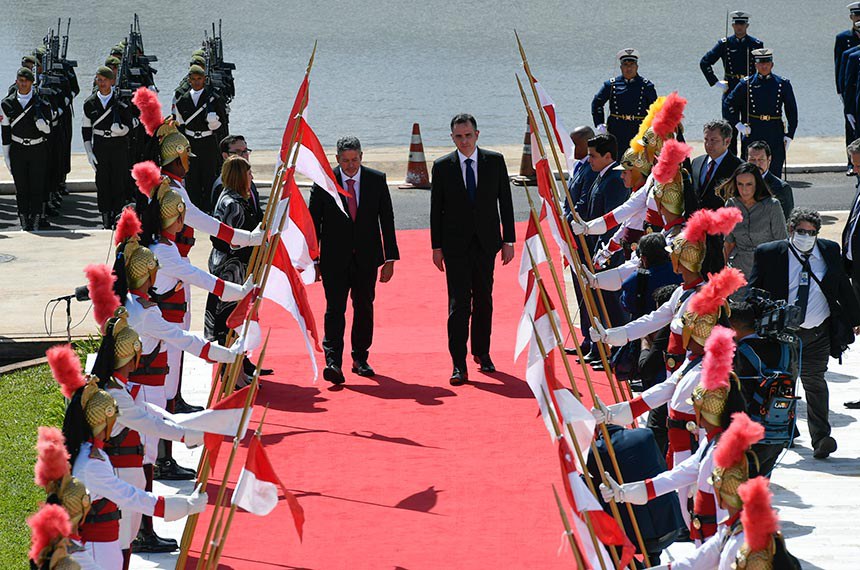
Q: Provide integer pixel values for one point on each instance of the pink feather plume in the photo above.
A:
(759, 519)
(741, 435)
(670, 116)
(719, 357)
(150, 109)
(147, 176)
(48, 524)
(66, 368)
(128, 226)
(673, 154)
(711, 222)
(52, 459)
(100, 280)
(714, 293)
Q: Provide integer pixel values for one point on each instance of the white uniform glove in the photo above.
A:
(787, 142)
(743, 129)
(589, 277)
(595, 227)
(241, 238)
(192, 438)
(6, 158)
(179, 506)
(601, 129)
(43, 126)
(851, 121)
(118, 130)
(214, 122)
(91, 157)
(633, 493)
(722, 84)
(601, 258)
(577, 227)
(233, 292)
(220, 353)
(619, 414)
(615, 336)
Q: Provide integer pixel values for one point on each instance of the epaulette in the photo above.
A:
(724, 40)
(611, 80)
(146, 303)
(113, 384)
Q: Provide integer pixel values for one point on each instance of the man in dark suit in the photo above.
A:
(470, 197)
(353, 246)
(851, 238)
(758, 153)
(808, 272)
(709, 171)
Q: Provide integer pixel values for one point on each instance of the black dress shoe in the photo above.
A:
(334, 374)
(180, 406)
(169, 470)
(250, 368)
(855, 405)
(592, 356)
(151, 542)
(486, 363)
(459, 376)
(825, 446)
(363, 369)
(572, 350)
(44, 224)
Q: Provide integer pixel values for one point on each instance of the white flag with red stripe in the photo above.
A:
(311, 161)
(222, 418)
(258, 486)
(300, 106)
(534, 311)
(553, 209)
(299, 232)
(561, 135)
(531, 244)
(285, 287)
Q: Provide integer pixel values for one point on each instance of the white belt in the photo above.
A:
(107, 134)
(28, 142)
(198, 134)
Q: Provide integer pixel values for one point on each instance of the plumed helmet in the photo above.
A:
(140, 263)
(173, 144)
(100, 409)
(171, 206)
(633, 160)
(671, 196)
(75, 498)
(690, 254)
(126, 342)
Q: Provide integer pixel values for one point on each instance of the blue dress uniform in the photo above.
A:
(844, 42)
(735, 54)
(628, 99)
(759, 102)
(850, 73)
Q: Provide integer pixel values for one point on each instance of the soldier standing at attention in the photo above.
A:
(199, 112)
(629, 96)
(25, 126)
(105, 125)
(845, 41)
(758, 103)
(735, 52)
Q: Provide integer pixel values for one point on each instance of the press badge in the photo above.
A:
(804, 278)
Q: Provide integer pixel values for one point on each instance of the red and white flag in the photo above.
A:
(582, 501)
(300, 106)
(285, 287)
(531, 244)
(311, 161)
(561, 135)
(553, 208)
(258, 486)
(535, 310)
(299, 232)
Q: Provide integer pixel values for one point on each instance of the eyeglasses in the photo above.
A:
(245, 152)
(806, 232)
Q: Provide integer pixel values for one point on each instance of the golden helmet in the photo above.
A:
(726, 481)
(57, 556)
(126, 342)
(100, 409)
(171, 206)
(755, 560)
(140, 263)
(710, 404)
(690, 254)
(698, 327)
(633, 160)
(75, 499)
(173, 144)
(671, 194)
(652, 143)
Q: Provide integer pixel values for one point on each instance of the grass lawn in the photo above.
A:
(29, 398)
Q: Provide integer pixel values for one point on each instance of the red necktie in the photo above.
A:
(351, 201)
(709, 173)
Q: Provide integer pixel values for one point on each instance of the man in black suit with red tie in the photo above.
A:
(470, 198)
(353, 246)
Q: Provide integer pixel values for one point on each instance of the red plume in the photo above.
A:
(760, 521)
(673, 154)
(128, 226)
(719, 355)
(670, 115)
(742, 433)
(100, 280)
(147, 176)
(66, 368)
(150, 109)
(52, 461)
(711, 222)
(714, 293)
(48, 524)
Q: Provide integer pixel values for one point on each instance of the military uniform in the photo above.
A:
(628, 100)
(770, 101)
(845, 41)
(736, 55)
(25, 129)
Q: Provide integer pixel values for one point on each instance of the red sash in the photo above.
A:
(184, 240)
(152, 369)
(102, 522)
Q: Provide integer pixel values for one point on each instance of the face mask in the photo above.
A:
(803, 243)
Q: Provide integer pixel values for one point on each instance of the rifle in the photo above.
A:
(67, 63)
(139, 62)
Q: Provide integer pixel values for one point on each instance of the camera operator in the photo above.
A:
(763, 359)
(807, 271)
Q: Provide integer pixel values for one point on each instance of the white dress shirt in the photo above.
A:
(817, 308)
(195, 96)
(357, 179)
(474, 157)
(105, 99)
(717, 161)
(25, 99)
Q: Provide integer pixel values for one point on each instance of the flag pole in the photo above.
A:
(216, 554)
(604, 430)
(574, 545)
(203, 473)
(587, 292)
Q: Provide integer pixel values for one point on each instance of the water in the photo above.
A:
(383, 65)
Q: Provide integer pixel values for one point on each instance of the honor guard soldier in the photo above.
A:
(735, 52)
(105, 125)
(846, 41)
(25, 127)
(758, 103)
(629, 96)
(199, 113)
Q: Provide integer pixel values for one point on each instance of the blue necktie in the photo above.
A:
(471, 184)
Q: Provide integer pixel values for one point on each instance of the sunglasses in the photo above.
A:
(806, 232)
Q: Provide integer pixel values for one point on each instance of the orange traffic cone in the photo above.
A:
(416, 172)
(527, 169)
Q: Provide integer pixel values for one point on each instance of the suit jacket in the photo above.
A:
(770, 272)
(707, 195)
(370, 238)
(578, 188)
(455, 220)
(606, 195)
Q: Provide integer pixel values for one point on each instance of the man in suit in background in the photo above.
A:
(808, 272)
(470, 198)
(851, 238)
(353, 246)
(758, 153)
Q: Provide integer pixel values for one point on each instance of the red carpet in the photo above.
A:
(403, 470)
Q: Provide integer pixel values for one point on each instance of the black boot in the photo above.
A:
(107, 220)
(43, 223)
(249, 368)
(148, 541)
(31, 222)
(180, 406)
(166, 469)
(25, 223)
